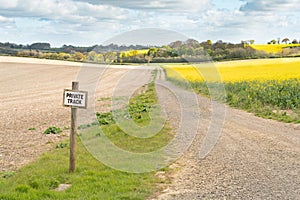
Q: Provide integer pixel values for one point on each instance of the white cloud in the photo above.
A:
(64, 10)
(7, 23)
(6, 20)
(195, 6)
(270, 5)
(161, 5)
(94, 21)
(8, 4)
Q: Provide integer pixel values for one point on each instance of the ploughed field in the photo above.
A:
(32, 101)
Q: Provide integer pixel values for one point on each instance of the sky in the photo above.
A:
(89, 22)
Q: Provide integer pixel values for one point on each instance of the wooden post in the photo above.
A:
(73, 133)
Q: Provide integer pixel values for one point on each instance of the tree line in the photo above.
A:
(179, 51)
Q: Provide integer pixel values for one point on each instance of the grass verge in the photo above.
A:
(277, 100)
(139, 107)
(92, 179)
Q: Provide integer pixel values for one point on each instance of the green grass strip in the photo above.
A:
(272, 99)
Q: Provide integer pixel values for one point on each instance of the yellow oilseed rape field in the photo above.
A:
(134, 52)
(272, 48)
(270, 88)
(237, 71)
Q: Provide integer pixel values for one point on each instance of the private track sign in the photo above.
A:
(75, 99)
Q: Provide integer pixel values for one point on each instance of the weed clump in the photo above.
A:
(52, 130)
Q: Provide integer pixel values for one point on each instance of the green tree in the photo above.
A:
(40, 46)
(63, 56)
(100, 58)
(294, 41)
(286, 40)
(79, 56)
(149, 58)
(110, 57)
(92, 56)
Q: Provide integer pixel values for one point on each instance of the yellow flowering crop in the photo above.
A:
(134, 52)
(236, 71)
(272, 48)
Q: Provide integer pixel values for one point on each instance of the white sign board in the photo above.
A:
(76, 99)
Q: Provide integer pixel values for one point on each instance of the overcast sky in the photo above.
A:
(89, 22)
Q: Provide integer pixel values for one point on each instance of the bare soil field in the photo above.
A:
(32, 98)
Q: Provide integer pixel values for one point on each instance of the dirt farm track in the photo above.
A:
(254, 158)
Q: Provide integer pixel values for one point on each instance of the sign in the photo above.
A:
(75, 99)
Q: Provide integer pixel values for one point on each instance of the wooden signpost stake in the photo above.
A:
(73, 133)
(74, 99)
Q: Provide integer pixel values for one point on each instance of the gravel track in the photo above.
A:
(254, 158)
